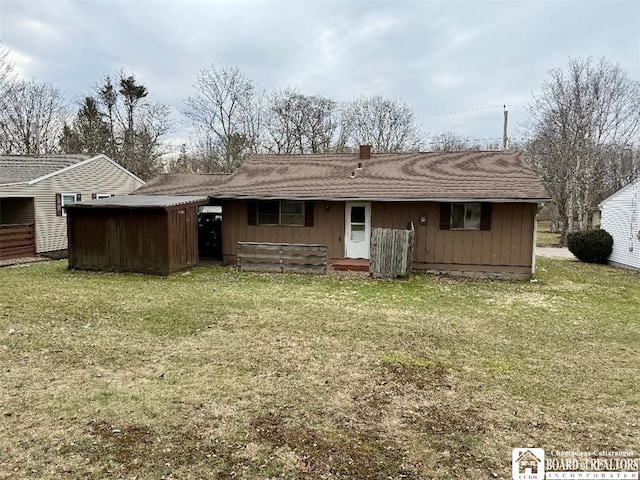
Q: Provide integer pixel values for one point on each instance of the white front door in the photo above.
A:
(357, 229)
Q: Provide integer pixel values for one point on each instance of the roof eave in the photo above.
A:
(381, 199)
(628, 185)
(91, 204)
(12, 184)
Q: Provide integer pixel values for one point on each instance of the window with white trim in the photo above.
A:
(66, 199)
(103, 195)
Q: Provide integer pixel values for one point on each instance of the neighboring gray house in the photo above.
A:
(621, 218)
(34, 190)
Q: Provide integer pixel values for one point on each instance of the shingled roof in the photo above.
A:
(140, 201)
(182, 184)
(431, 176)
(25, 168)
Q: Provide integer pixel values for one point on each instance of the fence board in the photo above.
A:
(391, 252)
(17, 241)
(282, 257)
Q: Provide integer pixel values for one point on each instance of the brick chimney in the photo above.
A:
(365, 152)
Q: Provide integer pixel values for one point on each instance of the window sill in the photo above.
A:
(276, 225)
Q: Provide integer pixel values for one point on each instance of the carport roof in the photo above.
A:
(141, 201)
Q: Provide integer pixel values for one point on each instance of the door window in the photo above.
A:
(358, 224)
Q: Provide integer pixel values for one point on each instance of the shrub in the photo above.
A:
(592, 246)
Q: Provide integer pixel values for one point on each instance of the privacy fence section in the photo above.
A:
(391, 252)
(17, 241)
(282, 257)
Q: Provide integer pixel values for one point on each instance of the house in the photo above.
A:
(156, 234)
(35, 189)
(474, 213)
(528, 463)
(620, 216)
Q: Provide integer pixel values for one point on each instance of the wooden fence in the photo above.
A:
(391, 252)
(282, 257)
(17, 241)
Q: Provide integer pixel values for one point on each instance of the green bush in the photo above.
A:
(592, 246)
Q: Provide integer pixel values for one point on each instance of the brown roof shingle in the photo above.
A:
(182, 184)
(488, 175)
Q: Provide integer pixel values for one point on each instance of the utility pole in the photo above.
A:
(504, 128)
(34, 128)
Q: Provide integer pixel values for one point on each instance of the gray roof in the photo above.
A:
(24, 168)
(140, 201)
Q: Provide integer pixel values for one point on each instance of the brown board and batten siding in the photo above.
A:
(327, 229)
(507, 246)
(118, 240)
(182, 231)
(134, 234)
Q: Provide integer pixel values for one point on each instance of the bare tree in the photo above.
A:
(32, 118)
(582, 122)
(297, 123)
(452, 142)
(386, 124)
(226, 115)
(152, 123)
(6, 73)
(121, 122)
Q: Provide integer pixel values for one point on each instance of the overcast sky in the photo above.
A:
(440, 57)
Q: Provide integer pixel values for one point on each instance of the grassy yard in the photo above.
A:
(219, 374)
(544, 237)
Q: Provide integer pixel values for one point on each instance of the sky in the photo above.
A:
(456, 63)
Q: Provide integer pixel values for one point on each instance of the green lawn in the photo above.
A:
(219, 374)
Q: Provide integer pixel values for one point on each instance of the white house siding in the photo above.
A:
(96, 176)
(621, 218)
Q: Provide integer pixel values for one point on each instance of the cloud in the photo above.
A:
(21, 64)
(437, 56)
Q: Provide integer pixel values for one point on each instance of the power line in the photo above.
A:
(488, 139)
(457, 112)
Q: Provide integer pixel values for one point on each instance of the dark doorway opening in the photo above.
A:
(210, 232)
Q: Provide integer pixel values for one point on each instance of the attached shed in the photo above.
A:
(621, 218)
(155, 234)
